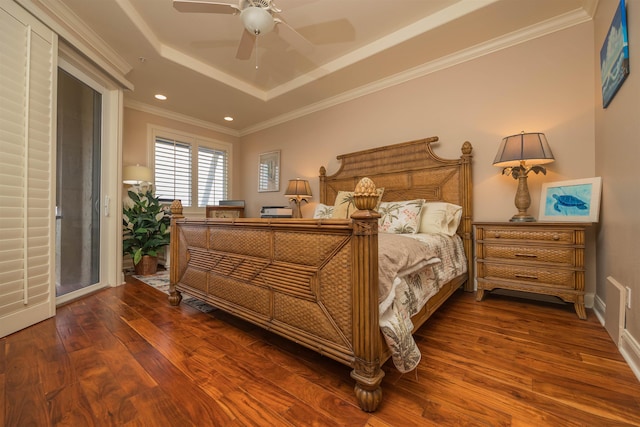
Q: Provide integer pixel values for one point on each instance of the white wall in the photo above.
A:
(617, 149)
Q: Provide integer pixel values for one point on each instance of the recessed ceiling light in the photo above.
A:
(229, 118)
(160, 97)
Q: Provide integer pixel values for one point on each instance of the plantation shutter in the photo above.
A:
(172, 170)
(212, 176)
(191, 169)
(27, 190)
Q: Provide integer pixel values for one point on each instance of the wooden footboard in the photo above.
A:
(313, 282)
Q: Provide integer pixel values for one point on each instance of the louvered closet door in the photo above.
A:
(27, 70)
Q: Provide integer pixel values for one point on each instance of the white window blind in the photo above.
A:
(173, 170)
(27, 248)
(190, 169)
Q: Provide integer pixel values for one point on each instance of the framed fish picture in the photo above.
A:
(576, 200)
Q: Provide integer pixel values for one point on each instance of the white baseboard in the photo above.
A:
(630, 350)
(628, 346)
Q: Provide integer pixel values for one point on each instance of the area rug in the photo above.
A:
(160, 281)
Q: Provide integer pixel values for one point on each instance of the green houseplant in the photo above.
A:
(146, 225)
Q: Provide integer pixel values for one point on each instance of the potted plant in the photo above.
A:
(146, 225)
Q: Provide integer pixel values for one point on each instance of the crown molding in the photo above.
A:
(421, 26)
(544, 28)
(57, 16)
(183, 118)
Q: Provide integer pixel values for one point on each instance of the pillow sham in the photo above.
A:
(440, 217)
(323, 211)
(345, 205)
(400, 217)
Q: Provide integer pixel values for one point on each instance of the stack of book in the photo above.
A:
(276, 212)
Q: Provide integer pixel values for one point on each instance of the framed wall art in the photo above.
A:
(614, 56)
(269, 171)
(577, 200)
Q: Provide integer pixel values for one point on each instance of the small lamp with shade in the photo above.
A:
(518, 155)
(298, 191)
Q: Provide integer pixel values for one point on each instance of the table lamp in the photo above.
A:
(136, 175)
(518, 155)
(297, 191)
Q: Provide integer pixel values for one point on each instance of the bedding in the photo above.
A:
(400, 217)
(323, 211)
(440, 217)
(411, 289)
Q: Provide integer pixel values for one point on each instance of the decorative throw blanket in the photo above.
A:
(399, 256)
(412, 286)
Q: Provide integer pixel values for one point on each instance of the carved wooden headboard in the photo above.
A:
(407, 171)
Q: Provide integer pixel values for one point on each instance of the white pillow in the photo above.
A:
(400, 217)
(440, 217)
(323, 211)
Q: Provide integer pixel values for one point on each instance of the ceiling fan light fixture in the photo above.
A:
(257, 20)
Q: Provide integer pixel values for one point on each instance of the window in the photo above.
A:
(212, 176)
(194, 170)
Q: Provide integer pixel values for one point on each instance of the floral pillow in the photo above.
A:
(345, 204)
(323, 211)
(440, 217)
(400, 217)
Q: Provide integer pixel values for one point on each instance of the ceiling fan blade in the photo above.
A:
(205, 7)
(247, 42)
(291, 36)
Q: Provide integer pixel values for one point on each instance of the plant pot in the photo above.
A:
(147, 266)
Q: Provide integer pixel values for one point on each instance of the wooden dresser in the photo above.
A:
(539, 257)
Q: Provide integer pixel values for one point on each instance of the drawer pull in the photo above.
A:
(556, 237)
(526, 255)
(525, 276)
(496, 235)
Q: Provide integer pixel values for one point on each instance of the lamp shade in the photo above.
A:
(298, 188)
(257, 20)
(136, 175)
(530, 147)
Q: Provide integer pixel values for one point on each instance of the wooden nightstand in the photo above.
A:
(539, 257)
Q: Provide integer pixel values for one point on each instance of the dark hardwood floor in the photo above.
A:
(124, 357)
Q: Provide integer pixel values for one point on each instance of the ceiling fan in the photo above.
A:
(258, 17)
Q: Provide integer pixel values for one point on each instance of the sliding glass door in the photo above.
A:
(78, 184)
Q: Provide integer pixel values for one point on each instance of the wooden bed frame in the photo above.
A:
(315, 281)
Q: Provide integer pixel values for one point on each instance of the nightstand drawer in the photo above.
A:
(554, 255)
(566, 236)
(558, 278)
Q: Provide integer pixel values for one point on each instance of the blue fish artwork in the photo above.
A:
(570, 200)
(566, 201)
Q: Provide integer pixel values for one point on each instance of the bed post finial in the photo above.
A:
(466, 148)
(176, 208)
(365, 195)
